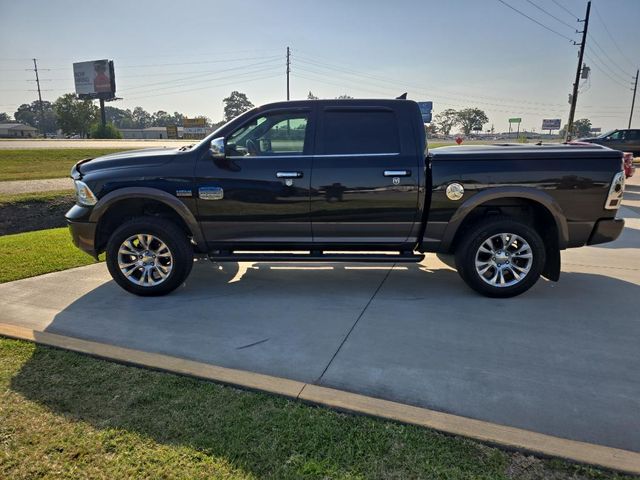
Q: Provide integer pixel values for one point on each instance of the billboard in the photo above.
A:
(551, 124)
(595, 130)
(195, 128)
(95, 79)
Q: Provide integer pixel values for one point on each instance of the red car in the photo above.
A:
(629, 167)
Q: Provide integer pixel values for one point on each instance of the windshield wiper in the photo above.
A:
(186, 147)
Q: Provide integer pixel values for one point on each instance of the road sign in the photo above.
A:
(595, 130)
(425, 110)
(172, 131)
(515, 120)
(551, 124)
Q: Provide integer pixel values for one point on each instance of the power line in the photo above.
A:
(149, 65)
(613, 79)
(611, 37)
(236, 81)
(304, 65)
(201, 74)
(572, 27)
(535, 21)
(235, 75)
(566, 10)
(604, 52)
(385, 80)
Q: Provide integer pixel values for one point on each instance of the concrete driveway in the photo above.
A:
(563, 359)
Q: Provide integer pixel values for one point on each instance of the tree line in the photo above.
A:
(75, 116)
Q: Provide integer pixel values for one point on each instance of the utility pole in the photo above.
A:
(288, 69)
(35, 69)
(574, 95)
(633, 102)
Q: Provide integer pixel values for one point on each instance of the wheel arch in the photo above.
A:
(123, 203)
(545, 214)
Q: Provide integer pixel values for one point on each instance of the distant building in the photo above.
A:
(17, 130)
(147, 133)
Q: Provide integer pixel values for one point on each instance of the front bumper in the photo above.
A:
(606, 230)
(83, 232)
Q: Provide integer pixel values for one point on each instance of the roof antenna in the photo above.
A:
(402, 97)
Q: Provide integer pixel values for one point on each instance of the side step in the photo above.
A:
(316, 257)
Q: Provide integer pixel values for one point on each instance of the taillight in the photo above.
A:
(614, 198)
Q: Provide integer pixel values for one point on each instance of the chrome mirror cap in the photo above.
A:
(216, 148)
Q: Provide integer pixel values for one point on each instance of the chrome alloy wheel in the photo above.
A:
(145, 260)
(503, 260)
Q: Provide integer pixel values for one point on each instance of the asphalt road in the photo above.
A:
(11, 144)
(562, 359)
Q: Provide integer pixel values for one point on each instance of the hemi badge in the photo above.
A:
(184, 193)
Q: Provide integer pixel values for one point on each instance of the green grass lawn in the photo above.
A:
(8, 199)
(38, 163)
(33, 253)
(66, 415)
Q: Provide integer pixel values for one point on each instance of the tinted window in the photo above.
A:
(632, 135)
(270, 134)
(364, 131)
(615, 135)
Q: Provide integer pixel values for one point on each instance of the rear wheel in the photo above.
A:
(149, 256)
(500, 257)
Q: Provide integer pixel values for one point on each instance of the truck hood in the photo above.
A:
(130, 158)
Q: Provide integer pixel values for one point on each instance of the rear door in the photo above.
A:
(632, 141)
(259, 193)
(364, 187)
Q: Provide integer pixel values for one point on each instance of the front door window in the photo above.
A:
(274, 134)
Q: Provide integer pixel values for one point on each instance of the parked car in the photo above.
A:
(623, 140)
(627, 159)
(354, 176)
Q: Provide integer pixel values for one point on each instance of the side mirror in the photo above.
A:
(216, 148)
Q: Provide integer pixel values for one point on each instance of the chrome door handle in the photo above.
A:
(397, 173)
(210, 193)
(289, 174)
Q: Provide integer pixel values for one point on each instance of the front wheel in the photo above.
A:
(149, 256)
(500, 257)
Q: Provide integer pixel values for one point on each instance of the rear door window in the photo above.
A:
(633, 135)
(348, 132)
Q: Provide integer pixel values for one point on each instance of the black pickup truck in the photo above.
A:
(330, 180)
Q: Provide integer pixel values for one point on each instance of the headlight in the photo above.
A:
(84, 195)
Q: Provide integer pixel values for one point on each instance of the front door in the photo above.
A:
(366, 177)
(259, 192)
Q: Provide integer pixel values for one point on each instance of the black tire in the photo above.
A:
(477, 234)
(177, 242)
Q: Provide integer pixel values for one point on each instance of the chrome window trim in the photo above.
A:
(332, 155)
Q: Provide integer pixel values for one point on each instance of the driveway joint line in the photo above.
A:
(632, 269)
(354, 324)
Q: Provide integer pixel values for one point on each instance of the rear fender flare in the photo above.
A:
(497, 193)
(161, 196)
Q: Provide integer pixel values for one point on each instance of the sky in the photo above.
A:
(188, 56)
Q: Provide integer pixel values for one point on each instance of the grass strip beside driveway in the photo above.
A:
(66, 415)
(33, 253)
(40, 163)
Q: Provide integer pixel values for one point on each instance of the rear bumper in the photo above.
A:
(606, 230)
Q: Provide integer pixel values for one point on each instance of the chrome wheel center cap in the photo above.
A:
(501, 257)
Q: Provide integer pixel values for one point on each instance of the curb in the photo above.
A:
(500, 435)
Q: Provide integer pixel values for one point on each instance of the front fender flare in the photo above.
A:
(497, 193)
(128, 193)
